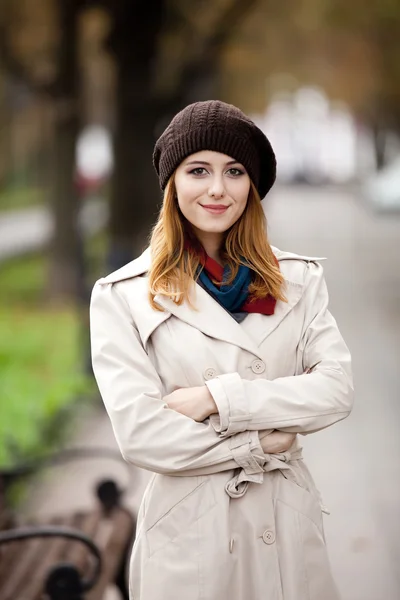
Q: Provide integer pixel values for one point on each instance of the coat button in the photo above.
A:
(268, 536)
(258, 366)
(209, 373)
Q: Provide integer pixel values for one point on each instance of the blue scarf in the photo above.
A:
(233, 296)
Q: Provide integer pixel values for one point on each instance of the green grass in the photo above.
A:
(40, 375)
(16, 197)
(22, 281)
(96, 255)
(41, 354)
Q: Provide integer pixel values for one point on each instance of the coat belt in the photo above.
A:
(238, 485)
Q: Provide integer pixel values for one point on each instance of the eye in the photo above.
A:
(235, 172)
(198, 171)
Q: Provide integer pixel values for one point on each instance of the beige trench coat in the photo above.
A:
(220, 519)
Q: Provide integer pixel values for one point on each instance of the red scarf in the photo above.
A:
(263, 306)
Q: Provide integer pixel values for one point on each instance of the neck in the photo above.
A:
(212, 243)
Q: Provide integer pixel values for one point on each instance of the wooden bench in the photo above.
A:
(73, 556)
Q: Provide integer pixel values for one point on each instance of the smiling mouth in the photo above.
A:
(215, 209)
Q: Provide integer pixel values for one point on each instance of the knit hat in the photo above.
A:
(214, 125)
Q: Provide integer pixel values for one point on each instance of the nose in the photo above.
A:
(216, 189)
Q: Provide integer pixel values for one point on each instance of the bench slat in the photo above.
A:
(121, 533)
(7, 553)
(77, 553)
(10, 554)
(28, 570)
(21, 569)
(53, 549)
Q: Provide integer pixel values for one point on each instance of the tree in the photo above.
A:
(66, 265)
(48, 65)
(378, 24)
(133, 43)
(352, 50)
(165, 54)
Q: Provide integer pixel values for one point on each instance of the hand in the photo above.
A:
(277, 442)
(193, 402)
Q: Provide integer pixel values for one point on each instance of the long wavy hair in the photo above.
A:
(174, 270)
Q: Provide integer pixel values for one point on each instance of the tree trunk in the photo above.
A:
(66, 282)
(66, 252)
(135, 197)
(5, 137)
(379, 141)
(134, 194)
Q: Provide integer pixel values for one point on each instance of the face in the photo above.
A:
(212, 190)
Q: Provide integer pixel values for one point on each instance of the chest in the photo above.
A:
(190, 345)
(185, 356)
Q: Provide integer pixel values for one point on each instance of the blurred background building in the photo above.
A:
(86, 86)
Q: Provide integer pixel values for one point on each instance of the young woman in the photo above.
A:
(212, 351)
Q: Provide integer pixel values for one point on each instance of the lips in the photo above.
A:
(215, 209)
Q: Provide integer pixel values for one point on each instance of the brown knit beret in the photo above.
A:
(215, 125)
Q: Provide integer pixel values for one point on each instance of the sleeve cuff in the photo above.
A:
(233, 411)
(249, 456)
(247, 452)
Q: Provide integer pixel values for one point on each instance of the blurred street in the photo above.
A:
(356, 463)
(31, 229)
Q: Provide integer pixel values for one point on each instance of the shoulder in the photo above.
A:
(124, 291)
(133, 269)
(281, 255)
(299, 269)
(119, 287)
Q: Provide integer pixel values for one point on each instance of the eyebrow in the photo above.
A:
(203, 162)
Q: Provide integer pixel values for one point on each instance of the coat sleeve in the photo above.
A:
(299, 404)
(149, 434)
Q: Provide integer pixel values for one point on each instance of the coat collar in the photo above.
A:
(211, 318)
(136, 267)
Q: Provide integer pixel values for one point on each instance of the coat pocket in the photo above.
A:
(294, 491)
(180, 517)
(303, 559)
(302, 553)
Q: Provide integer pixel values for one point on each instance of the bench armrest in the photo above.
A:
(65, 576)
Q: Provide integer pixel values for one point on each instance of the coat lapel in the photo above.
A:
(294, 268)
(267, 325)
(211, 318)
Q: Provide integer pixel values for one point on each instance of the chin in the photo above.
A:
(213, 228)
